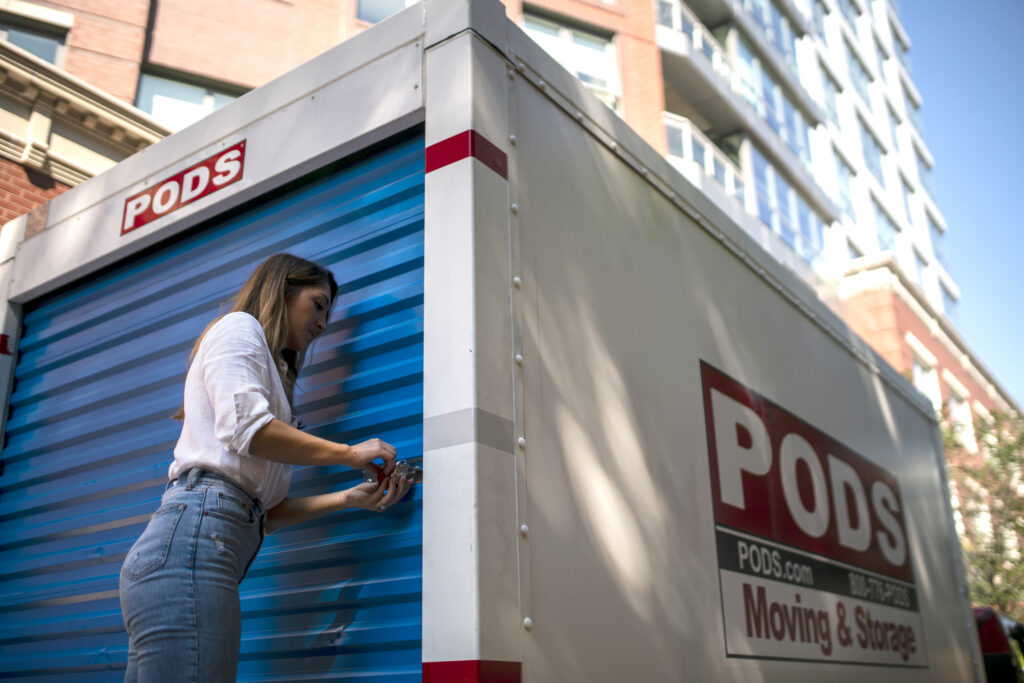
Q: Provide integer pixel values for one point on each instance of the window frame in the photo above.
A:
(39, 28)
(211, 91)
(359, 4)
(611, 93)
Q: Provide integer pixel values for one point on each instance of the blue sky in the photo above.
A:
(967, 62)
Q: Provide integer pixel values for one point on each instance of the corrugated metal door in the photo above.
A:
(89, 439)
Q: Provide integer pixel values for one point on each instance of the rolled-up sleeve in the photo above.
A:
(237, 375)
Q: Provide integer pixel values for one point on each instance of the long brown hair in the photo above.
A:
(263, 296)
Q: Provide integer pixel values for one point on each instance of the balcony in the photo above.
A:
(679, 19)
(704, 84)
(710, 170)
(699, 160)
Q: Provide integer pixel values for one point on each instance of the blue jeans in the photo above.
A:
(179, 582)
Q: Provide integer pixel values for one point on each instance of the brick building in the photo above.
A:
(56, 129)
(800, 118)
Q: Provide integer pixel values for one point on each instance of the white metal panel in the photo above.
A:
(624, 296)
(470, 598)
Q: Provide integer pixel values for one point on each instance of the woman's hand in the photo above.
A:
(363, 454)
(378, 496)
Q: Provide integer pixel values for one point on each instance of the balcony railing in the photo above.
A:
(687, 146)
(678, 17)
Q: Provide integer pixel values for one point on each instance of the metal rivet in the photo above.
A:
(512, 139)
(519, 359)
(521, 67)
(511, 74)
(579, 116)
(515, 209)
(615, 146)
(542, 85)
(516, 282)
(524, 531)
(522, 442)
(528, 623)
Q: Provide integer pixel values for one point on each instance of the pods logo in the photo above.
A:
(183, 188)
(781, 479)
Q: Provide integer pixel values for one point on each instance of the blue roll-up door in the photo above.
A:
(89, 439)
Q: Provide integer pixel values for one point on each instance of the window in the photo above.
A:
(776, 28)
(918, 373)
(177, 104)
(852, 252)
(588, 56)
(879, 59)
(772, 103)
(672, 15)
(699, 153)
(665, 13)
(811, 231)
(850, 12)
(845, 178)
(819, 18)
(926, 380)
(687, 144)
(374, 11)
(858, 76)
(749, 80)
(831, 92)
(948, 303)
(901, 51)
(675, 141)
(872, 153)
(894, 126)
(771, 109)
(924, 172)
(920, 267)
(759, 9)
(885, 229)
(906, 199)
(937, 237)
(762, 183)
(796, 131)
(914, 115)
(783, 210)
(959, 414)
(42, 40)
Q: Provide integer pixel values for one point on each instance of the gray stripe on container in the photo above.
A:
(469, 425)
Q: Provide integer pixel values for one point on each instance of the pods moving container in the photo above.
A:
(650, 452)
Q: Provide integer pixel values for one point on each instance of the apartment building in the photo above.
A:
(802, 119)
(799, 118)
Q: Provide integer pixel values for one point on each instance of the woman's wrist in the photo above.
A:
(343, 501)
(343, 455)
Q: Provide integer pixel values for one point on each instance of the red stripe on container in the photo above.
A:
(472, 671)
(467, 144)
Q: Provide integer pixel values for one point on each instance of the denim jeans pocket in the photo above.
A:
(232, 508)
(149, 553)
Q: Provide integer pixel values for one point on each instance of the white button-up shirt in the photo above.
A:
(231, 391)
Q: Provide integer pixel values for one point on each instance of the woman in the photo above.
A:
(230, 476)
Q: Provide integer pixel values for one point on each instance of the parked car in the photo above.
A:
(1002, 644)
